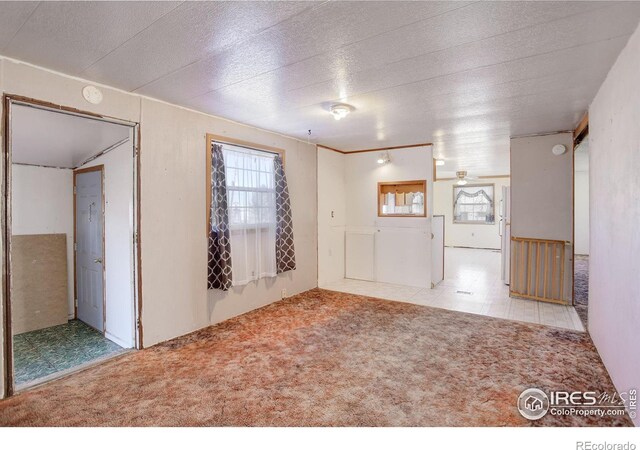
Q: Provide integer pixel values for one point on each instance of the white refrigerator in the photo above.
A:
(505, 233)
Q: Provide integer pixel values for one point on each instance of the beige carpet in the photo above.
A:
(328, 359)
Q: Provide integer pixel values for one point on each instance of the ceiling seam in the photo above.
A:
(82, 71)
(21, 27)
(228, 46)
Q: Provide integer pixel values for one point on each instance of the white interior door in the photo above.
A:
(89, 248)
(437, 249)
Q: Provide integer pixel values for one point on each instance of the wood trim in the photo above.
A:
(28, 101)
(138, 232)
(402, 183)
(6, 245)
(88, 169)
(380, 149)
(6, 219)
(240, 143)
(207, 177)
(332, 149)
(98, 168)
(582, 129)
(554, 241)
(525, 268)
(210, 139)
(435, 174)
(573, 205)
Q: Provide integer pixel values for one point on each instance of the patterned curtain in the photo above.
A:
(219, 272)
(285, 252)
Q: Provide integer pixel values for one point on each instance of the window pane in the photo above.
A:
(474, 204)
(250, 186)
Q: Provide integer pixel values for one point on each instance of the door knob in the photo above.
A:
(98, 260)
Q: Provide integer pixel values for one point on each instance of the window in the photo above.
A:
(402, 198)
(473, 204)
(250, 187)
(251, 199)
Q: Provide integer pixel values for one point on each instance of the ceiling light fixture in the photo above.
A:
(462, 182)
(340, 110)
(384, 158)
(439, 162)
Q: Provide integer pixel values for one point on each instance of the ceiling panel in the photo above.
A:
(464, 75)
(192, 31)
(69, 36)
(592, 60)
(319, 30)
(54, 139)
(13, 16)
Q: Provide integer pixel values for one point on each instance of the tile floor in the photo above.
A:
(476, 273)
(41, 353)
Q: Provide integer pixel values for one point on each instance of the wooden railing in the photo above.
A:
(537, 269)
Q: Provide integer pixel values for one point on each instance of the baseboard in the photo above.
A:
(117, 340)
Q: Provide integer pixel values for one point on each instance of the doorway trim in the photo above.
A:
(76, 172)
(5, 220)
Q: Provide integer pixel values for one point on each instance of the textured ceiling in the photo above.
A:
(464, 75)
(54, 139)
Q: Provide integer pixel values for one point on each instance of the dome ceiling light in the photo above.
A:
(340, 110)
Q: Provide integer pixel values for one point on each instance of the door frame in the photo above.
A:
(76, 172)
(5, 219)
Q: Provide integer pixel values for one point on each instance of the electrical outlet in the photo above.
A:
(284, 293)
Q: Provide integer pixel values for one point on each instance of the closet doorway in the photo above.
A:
(71, 262)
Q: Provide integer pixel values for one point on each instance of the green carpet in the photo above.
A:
(40, 353)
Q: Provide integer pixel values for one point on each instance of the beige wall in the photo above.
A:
(42, 203)
(614, 212)
(581, 213)
(542, 192)
(464, 234)
(174, 247)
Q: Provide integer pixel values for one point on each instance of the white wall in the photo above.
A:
(542, 193)
(42, 203)
(614, 262)
(463, 234)
(173, 209)
(402, 244)
(118, 240)
(332, 213)
(581, 182)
